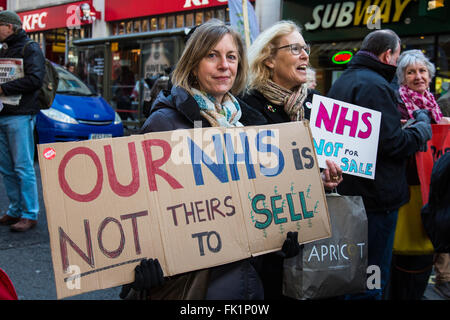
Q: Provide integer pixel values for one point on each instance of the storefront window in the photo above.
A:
(170, 22)
(144, 25)
(321, 59)
(129, 27)
(90, 67)
(124, 72)
(443, 61)
(137, 26)
(208, 15)
(220, 14)
(189, 20)
(198, 18)
(162, 23)
(122, 28)
(157, 59)
(423, 43)
(153, 24)
(180, 21)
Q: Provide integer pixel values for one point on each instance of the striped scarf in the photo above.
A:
(291, 100)
(415, 101)
(226, 114)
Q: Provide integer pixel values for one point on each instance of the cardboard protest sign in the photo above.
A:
(191, 198)
(346, 134)
(437, 146)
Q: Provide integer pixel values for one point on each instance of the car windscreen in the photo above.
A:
(71, 85)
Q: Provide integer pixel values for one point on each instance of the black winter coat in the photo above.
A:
(34, 70)
(366, 83)
(178, 110)
(270, 266)
(436, 213)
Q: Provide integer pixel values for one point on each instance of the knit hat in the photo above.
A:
(11, 17)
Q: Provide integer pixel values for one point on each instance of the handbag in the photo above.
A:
(410, 236)
(334, 266)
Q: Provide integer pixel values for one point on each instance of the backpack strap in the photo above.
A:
(27, 43)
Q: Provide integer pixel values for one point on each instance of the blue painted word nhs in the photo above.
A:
(224, 149)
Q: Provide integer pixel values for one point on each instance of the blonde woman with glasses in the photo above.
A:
(278, 61)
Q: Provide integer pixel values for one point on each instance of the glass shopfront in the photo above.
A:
(56, 27)
(336, 30)
(117, 67)
(90, 67)
(57, 44)
(139, 48)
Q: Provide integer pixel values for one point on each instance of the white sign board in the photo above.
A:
(346, 134)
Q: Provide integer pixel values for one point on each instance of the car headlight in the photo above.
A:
(117, 118)
(58, 116)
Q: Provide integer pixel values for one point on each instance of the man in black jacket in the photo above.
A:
(366, 83)
(17, 121)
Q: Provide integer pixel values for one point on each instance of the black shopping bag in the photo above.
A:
(333, 266)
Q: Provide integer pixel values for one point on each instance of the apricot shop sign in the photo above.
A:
(191, 198)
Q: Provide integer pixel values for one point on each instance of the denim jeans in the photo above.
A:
(17, 165)
(381, 231)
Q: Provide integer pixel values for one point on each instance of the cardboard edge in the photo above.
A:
(308, 129)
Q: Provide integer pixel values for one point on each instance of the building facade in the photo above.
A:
(335, 30)
(116, 44)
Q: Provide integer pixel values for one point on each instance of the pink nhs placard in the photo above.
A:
(346, 134)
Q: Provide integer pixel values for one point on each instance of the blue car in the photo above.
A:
(77, 113)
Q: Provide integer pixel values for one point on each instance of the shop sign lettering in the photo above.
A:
(349, 13)
(197, 3)
(30, 21)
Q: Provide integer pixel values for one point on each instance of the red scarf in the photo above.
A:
(415, 101)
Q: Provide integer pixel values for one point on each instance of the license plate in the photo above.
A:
(100, 135)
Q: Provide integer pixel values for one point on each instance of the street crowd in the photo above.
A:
(221, 83)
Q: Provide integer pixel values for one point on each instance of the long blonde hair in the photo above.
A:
(204, 38)
(263, 48)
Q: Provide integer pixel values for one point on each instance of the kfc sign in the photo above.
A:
(120, 9)
(198, 3)
(31, 21)
(70, 16)
(2, 5)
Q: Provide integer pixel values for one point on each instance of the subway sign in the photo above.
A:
(359, 13)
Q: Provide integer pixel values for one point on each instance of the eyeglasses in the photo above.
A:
(296, 48)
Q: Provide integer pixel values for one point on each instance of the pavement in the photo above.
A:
(26, 258)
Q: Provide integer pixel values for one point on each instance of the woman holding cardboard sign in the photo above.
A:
(278, 60)
(210, 72)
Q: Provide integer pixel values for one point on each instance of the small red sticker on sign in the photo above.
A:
(49, 153)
